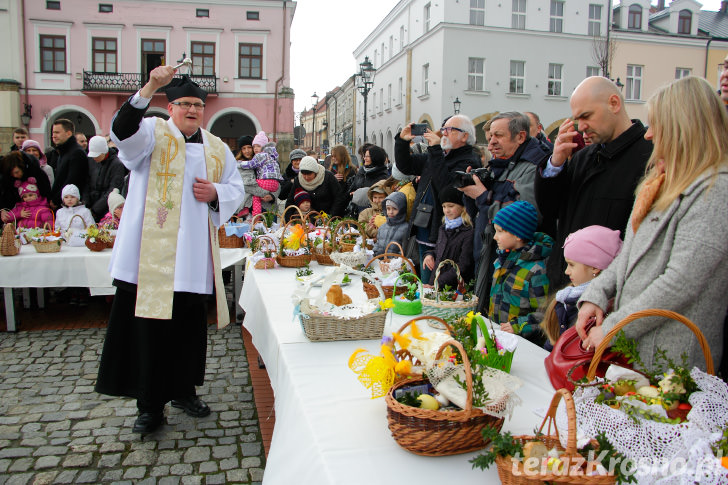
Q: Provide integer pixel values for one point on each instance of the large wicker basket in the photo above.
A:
(300, 260)
(346, 229)
(447, 309)
(404, 354)
(370, 289)
(326, 328)
(9, 244)
(439, 433)
(512, 472)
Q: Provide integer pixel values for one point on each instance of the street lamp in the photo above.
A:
(26, 116)
(314, 100)
(364, 83)
(456, 105)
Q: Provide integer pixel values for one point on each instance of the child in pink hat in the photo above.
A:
(33, 210)
(587, 252)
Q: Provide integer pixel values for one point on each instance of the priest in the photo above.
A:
(183, 185)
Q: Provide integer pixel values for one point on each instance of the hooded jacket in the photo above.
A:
(367, 213)
(104, 177)
(396, 228)
(520, 286)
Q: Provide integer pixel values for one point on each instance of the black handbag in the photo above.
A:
(422, 215)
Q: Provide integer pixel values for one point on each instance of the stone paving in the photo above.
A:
(55, 429)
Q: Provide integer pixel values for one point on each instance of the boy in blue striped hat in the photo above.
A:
(520, 284)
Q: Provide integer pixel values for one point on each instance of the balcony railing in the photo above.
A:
(131, 82)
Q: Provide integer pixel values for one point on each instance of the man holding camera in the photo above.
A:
(510, 177)
(449, 150)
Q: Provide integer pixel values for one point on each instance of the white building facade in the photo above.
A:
(491, 55)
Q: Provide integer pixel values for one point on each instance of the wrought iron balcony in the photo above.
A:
(131, 82)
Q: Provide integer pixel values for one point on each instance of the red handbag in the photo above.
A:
(568, 361)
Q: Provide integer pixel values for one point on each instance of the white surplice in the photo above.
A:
(193, 262)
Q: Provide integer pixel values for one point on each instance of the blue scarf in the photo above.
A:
(571, 294)
(453, 223)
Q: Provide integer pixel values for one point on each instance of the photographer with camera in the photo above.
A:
(509, 177)
(450, 149)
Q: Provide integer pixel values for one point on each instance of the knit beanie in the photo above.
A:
(594, 246)
(310, 164)
(28, 186)
(71, 189)
(244, 140)
(301, 196)
(114, 200)
(97, 146)
(451, 194)
(297, 154)
(519, 218)
(260, 139)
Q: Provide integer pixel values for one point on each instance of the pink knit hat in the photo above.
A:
(29, 186)
(260, 139)
(594, 246)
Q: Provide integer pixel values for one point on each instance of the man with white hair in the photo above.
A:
(449, 149)
(516, 156)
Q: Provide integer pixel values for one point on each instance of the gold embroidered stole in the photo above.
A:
(158, 252)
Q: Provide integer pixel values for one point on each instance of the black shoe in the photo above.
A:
(192, 406)
(148, 423)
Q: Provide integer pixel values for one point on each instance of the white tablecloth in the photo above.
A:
(328, 430)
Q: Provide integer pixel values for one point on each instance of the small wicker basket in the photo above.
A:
(300, 260)
(323, 253)
(447, 309)
(233, 241)
(266, 243)
(439, 433)
(326, 328)
(512, 472)
(9, 244)
(346, 229)
(370, 289)
(44, 245)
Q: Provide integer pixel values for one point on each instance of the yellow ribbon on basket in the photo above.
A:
(375, 372)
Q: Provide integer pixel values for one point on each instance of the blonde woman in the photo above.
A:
(676, 241)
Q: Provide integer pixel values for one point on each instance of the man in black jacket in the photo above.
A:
(106, 173)
(448, 150)
(72, 162)
(596, 186)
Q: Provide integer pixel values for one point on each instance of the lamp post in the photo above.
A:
(314, 100)
(456, 105)
(26, 116)
(364, 83)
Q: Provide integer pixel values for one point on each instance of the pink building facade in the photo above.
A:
(83, 59)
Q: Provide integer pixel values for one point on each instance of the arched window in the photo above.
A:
(685, 22)
(634, 21)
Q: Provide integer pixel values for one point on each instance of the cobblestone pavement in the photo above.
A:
(55, 429)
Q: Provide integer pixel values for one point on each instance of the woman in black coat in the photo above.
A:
(19, 165)
(373, 170)
(321, 185)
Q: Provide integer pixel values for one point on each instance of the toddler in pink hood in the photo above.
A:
(33, 210)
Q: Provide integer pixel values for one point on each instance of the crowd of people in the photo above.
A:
(611, 218)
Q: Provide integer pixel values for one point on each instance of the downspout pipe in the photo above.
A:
(283, 72)
(707, 51)
(25, 52)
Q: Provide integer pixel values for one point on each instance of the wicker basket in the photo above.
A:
(323, 254)
(439, 433)
(326, 328)
(44, 245)
(370, 289)
(266, 243)
(226, 241)
(9, 244)
(302, 259)
(447, 309)
(404, 354)
(342, 230)
(512, 473)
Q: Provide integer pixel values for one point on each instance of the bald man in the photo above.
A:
(596, 186)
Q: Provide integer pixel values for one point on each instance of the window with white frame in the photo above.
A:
(477, 12)
(426, 18)
(595, 20)
(557, 16)
(383, 58)
(52, 53)
(104, 54)
(685, 22)
(592, 71)
(555, 79)
(518, 18)
(634, 82)
(681, 72)
(518, 77)
(476, 74)
(400, 92)
(389, 96)
(426, 79)
(391, 46)
(381, 100)
(401, 38)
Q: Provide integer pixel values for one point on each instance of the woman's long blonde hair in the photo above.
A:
(690, 133)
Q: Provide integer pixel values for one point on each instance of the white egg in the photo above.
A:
(442, 400)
